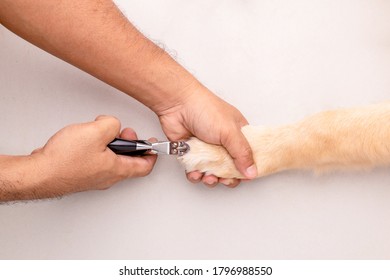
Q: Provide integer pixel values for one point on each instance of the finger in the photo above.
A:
(128, 134)
(194, 176)
(210, 180)
(108, 128)
(231, 182)
(130, 167)
(136, 166)
(239, 149)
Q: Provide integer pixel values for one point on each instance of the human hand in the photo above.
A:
(77, 158)
(202, 114)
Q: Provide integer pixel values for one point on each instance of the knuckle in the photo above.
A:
(114, 120)
(99, 117)
(107, 126)
(246, 153)
(122, 172)
(108, 119)
(137, 168)
(114, 123)
(145, 170)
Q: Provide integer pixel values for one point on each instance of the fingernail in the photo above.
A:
(251, 172)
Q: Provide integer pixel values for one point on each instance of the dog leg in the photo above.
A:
(346, 138)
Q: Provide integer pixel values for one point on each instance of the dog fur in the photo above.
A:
(345, 138)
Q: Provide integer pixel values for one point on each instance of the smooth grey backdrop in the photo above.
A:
(276, 61)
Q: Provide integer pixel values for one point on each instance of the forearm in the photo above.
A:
(20, 178)
(95, 37)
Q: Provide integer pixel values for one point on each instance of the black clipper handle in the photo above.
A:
(127, 147)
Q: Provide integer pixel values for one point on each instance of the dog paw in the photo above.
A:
(271, 147)
(209, 159)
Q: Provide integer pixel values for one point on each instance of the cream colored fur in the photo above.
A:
(345, 138)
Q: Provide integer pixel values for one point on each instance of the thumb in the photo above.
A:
(241, 152)
(136, 166)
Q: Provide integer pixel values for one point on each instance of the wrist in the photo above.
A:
(187, 95)
(173, 91)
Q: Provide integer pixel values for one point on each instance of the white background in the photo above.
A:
(276, 61)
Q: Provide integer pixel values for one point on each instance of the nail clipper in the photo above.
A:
(141, 147)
